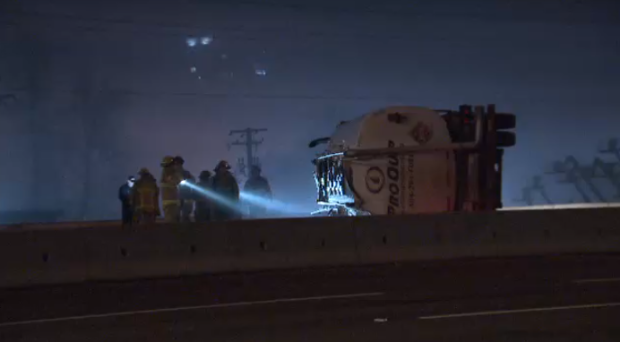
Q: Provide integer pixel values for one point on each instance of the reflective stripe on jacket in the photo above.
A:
(146, 198)
(169, 192)
(170, 179)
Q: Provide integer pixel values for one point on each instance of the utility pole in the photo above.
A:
(247, 139)
(612, 148)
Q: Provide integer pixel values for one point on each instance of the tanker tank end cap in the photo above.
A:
(318, 141)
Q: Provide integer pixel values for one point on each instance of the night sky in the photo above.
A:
(115, 83)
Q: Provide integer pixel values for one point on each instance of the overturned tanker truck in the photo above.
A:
(411, 160)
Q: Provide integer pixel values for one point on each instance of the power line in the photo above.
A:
(402, 13)
(233, 33)
(322, 8)
(165, 27)
(415, 11)
(240, 36)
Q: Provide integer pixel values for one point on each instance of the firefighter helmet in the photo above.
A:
(167, 161)
(205, 175)
(255, 170)
(222, 165)
(179, 160)
(144, 171)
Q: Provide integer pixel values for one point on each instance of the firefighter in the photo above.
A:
(225, 185)
(171, 177)
(145, 198)
(186, 194)
(124, 195)
(258, 186)
(202, 211)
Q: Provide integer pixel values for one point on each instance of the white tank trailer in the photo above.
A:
(408, 160)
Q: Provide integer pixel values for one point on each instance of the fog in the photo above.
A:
(104, 88)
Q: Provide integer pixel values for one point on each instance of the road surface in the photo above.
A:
(568, 298)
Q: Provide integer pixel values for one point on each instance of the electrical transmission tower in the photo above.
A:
(246, 138)
(527, 192)
(609, 170)
(575, 173)
(540, 188)
(612, 148)
(526, 196)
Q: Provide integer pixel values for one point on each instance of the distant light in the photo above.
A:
(192, 69)
(206, 40)
(199, 77)
(183, 182)
(261, 72)
(224, 56)
(191, 42)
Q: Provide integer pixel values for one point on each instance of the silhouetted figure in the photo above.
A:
(259, 188)
(202, 212)
(225, 185)
(145, 198)
(171, 177)
(124, 195)
(186, 193)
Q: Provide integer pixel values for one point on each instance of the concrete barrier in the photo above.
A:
(424, 237)
(155, 251)
(60, 225)
(564, 206)
(103, 253)
(211, 248)
(498, 234)
(557, 231)
(391, 238)
(35, 257)
(31, 258)
(321, 242)
(270, 244)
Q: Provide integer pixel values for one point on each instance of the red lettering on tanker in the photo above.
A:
(422, 133)
(393, 177)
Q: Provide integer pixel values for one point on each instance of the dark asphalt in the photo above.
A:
(378, 303)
